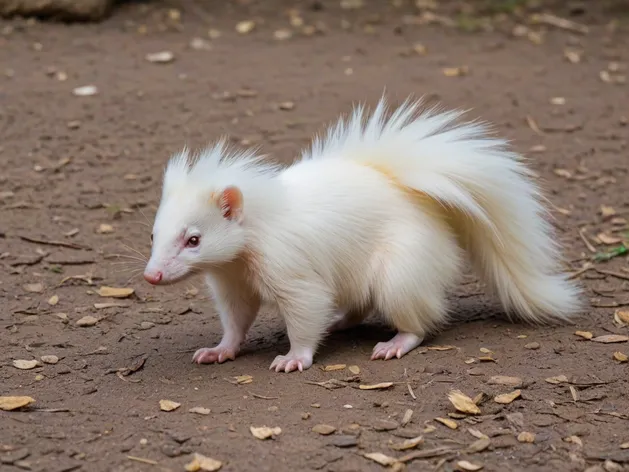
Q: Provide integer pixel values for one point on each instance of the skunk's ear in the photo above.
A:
(230, 202)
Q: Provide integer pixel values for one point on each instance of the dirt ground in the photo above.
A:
(80, 181)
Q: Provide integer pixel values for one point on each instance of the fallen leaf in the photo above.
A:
(456, 71)
(52, 301)
(477, 434)
(264, 432)
(487, 359)
(466, 465)
(161, 57)
(114, 292)
(584, 334)
(608, 239)
(381, 459)
(378, 386)
(526, 437)
(478, 446)
(33, 288)
(24, 364)
(406, 419)
(354, 369)
(505, 380)
(573, 57)
(463, 403)
(408, 444)
(14, 403)
(203, 463)
(440, 348)
(448, 422)
(621, 357)
(85, 91)
(557, 379)
(323, 429)
(245, 27)
(331, 368)
(563, 173)
(484, 350)
(611, 338)
(168, 405)
(87, 321)
(507, 398)
(199, 410)
(607, 211)
(105, 228)
(243, 379)
(621, 316)
(49, 359)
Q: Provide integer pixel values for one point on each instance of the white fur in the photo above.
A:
(377, 215)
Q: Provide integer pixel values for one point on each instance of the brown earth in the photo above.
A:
(70, 164)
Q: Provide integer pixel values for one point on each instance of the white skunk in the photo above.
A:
(376, 216)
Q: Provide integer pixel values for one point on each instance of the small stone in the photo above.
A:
(87, 321)
(245, 27)
(25, 364)
(49, 359)
(161, 57)
(33, 288)
(323, 429)
(170, 450)
(200, 44)
(385, 425)
(147, 325)
(85, 91)
(526, 437)
(533, 346)
(345, 440)
(199, 410)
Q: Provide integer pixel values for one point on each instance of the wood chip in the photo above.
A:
(447, 422)
(408, 444)
(264, 432)
(507, 398)
(243, 379)
(440, 348)
(466, 465)
(332, 368)
(463, 403)
(379, 386)
(381, 459)
(161, 57)
(323, 429)
(514, 382)
(25, 364)
(584, 334)
(354, 369)
(168, 405)
(115, 292)
(611, 338)
(526, 437)
(14, 403)
(203, 463)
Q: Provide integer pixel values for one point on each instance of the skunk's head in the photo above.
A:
(199, 222)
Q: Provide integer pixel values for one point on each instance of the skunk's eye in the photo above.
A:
(193, 241)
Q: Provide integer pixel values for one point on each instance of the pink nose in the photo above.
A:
(153, 277)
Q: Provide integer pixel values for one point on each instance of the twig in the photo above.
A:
(55, 243)
(410, 391)
(611, 273)
(141, 459)
(262, 397)
(52, 410)
(580, 272)
(587, 243)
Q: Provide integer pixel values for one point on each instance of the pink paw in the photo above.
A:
(209, 355)
(402, 343)
(291, 362)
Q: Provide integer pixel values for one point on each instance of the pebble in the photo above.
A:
(14, 456)
(87, 321)
(533, 345)
(146, 325)
(385, 425)
(50, 359)
(345, 440)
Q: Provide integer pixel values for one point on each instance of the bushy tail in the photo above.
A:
(500, 218)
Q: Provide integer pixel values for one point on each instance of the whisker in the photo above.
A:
(136, 251)
(144, 215)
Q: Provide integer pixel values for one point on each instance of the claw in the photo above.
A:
(398, 346)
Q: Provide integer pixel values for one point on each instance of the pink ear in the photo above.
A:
(231, 203)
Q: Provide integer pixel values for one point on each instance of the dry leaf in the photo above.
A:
(85, 91)
(161, 57)
(378, 386)
(24, 364)
(607, 211)
(440, 348)
(14, 403)
(620, 357)
(331, 368)
(466, 465)
(87, 321)
(504, 380)
(557, 379)
(264, 432)
(448, 422)
(199, 410)
(408, 444)
(243, 379)
(286, 106)
(563, 173)
(609, 240)
(406, 419)
(52, 301)
(622, 316)
(245, 27)
(487, 359)
(463, 403)
(477, 434)
(168, 405)
(526, 437)
(323, 429)
(478, 446)
(611, 338)
(484, 350)
(381, 458)
(203, 463)
(456, 71)
(354, 369)
(507, 398)
(584, 334)
(105, 228)
(114, 292)
(573, 57)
